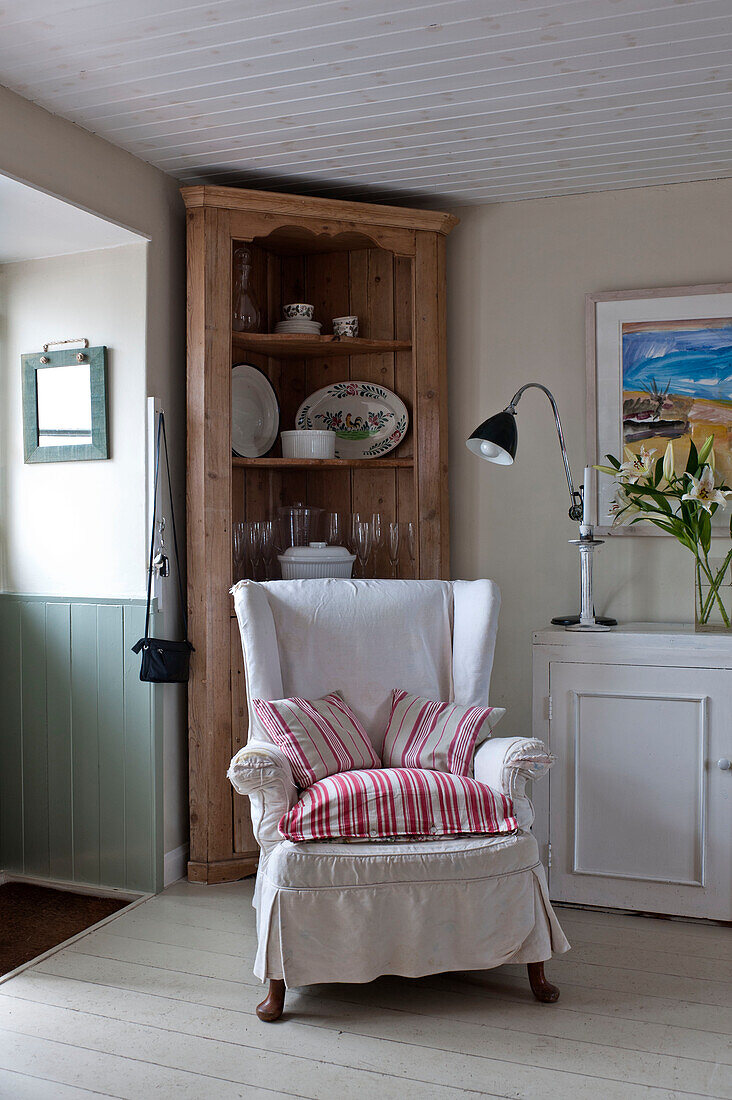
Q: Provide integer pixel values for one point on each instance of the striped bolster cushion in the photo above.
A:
(319, 737)
(422, 733)
(391, 802)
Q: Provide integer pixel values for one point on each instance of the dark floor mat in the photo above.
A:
(35, 918)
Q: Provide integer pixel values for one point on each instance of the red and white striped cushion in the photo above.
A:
(390, 802)
(422, 733)
(318, 737)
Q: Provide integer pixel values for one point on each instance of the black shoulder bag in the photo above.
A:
(163, 662)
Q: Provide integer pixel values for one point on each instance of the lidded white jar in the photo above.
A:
(315, 561)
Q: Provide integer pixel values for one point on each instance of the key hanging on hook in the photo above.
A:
(161, 562)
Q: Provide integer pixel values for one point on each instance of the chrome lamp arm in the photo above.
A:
(575, 496)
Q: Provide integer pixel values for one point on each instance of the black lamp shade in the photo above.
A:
(496, 439)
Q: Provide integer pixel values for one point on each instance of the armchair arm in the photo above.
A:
(506, 763)
(262, 772)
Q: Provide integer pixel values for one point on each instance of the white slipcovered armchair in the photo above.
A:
(350, 911)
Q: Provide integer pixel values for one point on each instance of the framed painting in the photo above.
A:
(659, 369)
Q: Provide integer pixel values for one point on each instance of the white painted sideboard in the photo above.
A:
(637, 813)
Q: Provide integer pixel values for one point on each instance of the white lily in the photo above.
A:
(622, 508)
(703, 492)
(636, 466)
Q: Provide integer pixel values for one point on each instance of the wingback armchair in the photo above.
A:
(350, 911)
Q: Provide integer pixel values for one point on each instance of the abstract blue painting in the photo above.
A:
(677, 384)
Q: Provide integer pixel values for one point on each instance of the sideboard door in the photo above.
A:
(640, 812)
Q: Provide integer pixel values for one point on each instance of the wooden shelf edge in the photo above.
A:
(302, 206)
(324, 463)
(302, 346)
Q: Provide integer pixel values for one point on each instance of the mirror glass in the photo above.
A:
(64, 406)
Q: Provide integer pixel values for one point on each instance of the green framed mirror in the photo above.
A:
(65, 405)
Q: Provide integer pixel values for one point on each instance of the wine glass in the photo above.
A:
(240, 550)
(362, 538)
(410, 533)
(392, 545)
(377, 537)
(253, 545)
(267, 540)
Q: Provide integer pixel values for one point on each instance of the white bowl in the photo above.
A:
(308, 443)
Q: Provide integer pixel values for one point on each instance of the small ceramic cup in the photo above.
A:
(298, 309)
(345, 326)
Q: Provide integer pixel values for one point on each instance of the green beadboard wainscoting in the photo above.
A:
(80, 744)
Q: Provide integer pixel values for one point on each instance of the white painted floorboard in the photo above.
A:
(160, 1002)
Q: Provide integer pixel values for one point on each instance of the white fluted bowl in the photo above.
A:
(308, 443)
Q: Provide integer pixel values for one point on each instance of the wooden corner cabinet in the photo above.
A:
(386, 265)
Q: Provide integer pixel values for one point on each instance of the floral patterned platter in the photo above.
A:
(368, 420)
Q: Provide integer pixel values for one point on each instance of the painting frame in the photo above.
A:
(605, 314)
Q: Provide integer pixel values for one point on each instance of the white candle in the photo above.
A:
(588, 497)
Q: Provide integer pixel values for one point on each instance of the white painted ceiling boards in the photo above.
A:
(458, 100)
(34, 225)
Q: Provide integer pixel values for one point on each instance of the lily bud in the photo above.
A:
(611, 470)
(706, 450)
(668, 462)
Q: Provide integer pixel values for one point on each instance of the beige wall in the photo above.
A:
(58, 157)
(76, 528)
(517, 276)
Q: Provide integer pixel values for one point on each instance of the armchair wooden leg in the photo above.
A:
(271, 1007)
(542, 989)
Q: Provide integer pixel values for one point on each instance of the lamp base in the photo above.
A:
(573, 620)
(587, 626)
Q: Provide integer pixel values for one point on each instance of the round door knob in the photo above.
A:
(724, 764)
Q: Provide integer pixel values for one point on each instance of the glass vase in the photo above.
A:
(245, 311)
(713, 597)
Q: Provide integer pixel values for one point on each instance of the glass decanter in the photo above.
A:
(246, 313)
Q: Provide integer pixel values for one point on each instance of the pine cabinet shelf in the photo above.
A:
(312, 347)
(276, 463)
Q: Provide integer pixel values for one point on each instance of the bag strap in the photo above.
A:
(161, 435)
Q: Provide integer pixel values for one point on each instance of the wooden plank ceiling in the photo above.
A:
(458, 100)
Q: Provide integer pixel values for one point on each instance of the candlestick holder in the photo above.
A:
(587, 544)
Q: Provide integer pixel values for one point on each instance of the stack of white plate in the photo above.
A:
(299, 324)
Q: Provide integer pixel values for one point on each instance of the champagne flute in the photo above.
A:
(267, 540)
(253, 543)
(363, 543)
(410, 532)
(240, 551)
(335, 528)
(392, 543)
(377, 538)
(356, 518)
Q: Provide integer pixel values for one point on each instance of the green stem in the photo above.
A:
(700, 592)
(714, 583)
(717, 581)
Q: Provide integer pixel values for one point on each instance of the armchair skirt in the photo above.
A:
(334, 912)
